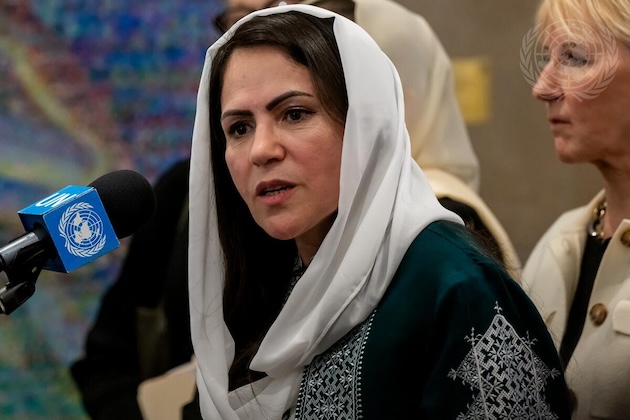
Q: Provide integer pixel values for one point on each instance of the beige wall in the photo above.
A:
(521, 178)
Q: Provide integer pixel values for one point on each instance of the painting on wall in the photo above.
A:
(86, 87)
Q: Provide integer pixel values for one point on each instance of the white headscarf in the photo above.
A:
(439, 139)
(385, 201)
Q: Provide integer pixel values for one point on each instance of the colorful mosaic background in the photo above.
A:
(86, 87)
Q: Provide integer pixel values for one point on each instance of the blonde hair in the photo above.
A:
(611, 14)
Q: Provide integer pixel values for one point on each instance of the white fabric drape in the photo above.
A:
(385, 201)
(439, 139)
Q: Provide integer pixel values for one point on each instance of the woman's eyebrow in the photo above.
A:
(236, 112)
(276, 101)
(271, 105)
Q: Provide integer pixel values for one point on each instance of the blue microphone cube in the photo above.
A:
(77, 223)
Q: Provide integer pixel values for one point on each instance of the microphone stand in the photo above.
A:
(22, 261)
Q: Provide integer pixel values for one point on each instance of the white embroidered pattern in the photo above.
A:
(509, 377)
(331, 384)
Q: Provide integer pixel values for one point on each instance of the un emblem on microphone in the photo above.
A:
(82, 229)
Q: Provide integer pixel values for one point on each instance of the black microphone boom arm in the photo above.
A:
(22, 261)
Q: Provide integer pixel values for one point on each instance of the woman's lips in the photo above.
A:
(558, 120)
(275, 197)
(272, 187)
(274, 193)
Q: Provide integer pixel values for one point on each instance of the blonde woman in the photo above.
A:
(579, 272)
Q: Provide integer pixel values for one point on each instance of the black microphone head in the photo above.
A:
(128, 199)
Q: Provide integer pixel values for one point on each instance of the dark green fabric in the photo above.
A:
(443, 289)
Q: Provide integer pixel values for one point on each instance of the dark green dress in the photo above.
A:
(454, 337)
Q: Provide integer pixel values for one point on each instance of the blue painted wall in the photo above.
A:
(86, 87)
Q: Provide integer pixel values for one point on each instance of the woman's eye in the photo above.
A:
(238, 129)
(571, 55)
(296, 114)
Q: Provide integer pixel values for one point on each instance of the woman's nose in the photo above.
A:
(547, 87)
(266, 146)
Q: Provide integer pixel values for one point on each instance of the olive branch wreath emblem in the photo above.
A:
(531, 71)
(527, 64)
(63, 223)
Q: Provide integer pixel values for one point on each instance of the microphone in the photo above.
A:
(73, 227)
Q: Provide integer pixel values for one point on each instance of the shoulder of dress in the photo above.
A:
(442, 256)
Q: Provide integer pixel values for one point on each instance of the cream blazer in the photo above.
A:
(599, 371)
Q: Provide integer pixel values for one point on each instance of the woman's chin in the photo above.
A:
(279, 233)
(566, 154)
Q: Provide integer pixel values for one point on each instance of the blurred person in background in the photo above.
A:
(579, 272)
(142, 329)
